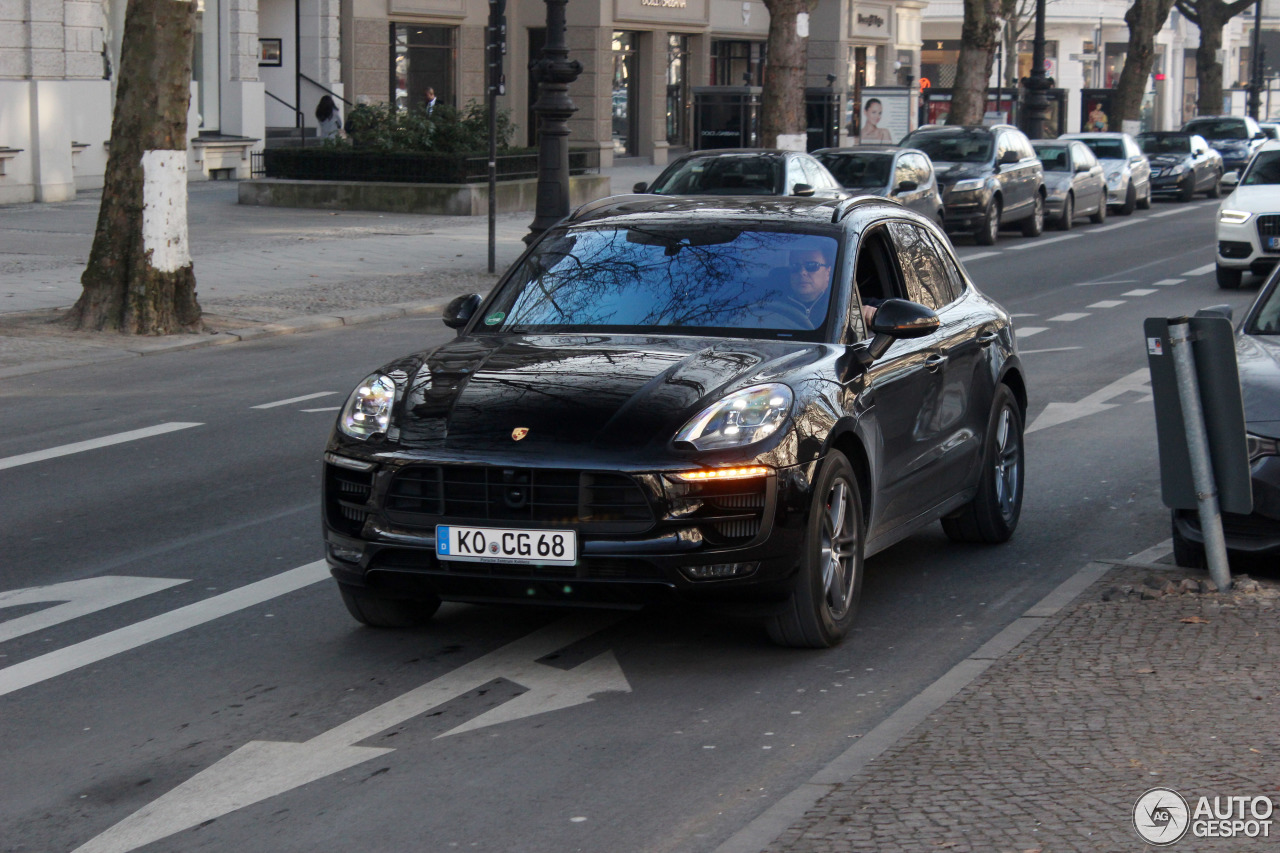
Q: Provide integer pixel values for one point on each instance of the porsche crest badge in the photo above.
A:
(519, 433)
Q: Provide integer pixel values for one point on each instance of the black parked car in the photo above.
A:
(904, 174)
(1235, 138)
(1182, 164)
(990, 178)
(664, 398)
(1258, 361)
(745, 171)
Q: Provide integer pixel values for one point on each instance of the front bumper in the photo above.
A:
(965, 211)
(1170, 184)
(1256, 534)
(1240, 247)
(379, 537)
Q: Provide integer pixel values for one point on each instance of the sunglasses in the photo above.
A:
(808, 266)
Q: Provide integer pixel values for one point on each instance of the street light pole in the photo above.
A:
(1255, 71)
(1037, 84)
(554, 71)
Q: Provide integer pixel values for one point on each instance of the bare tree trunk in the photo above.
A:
(782, 122)
(139, 278)
(978, 36)
(1145, 18)
(1211, 16)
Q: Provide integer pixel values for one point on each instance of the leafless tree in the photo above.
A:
(782, 103)
(1211, 16)
(1145, 18)
(978, 34)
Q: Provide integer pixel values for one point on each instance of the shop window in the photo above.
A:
(677, 89)
(422, 58)
(626, 82)
(737, 63)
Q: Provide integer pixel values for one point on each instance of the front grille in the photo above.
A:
(347, 498)
(1269, 225)
(421, 494)
(587, 568)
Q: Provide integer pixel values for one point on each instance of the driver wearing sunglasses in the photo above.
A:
(810, 280)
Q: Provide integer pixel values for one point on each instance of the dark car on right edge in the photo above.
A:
(1235, 138)
(1182, 164)
(990, 177)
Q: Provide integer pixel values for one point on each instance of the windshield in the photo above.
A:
(1218, 128)
(964, 147)
(1106, 149)
(1267, 319)
(1054, 157)
(686, 278)
(1165, 144)
(1264, 169)
(724, 175)
(859, 170)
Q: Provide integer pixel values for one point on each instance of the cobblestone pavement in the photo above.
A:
(1127, 689)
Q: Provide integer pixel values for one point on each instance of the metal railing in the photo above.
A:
(327, 164)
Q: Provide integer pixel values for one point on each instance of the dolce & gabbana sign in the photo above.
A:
(660, 12)
(870, 20)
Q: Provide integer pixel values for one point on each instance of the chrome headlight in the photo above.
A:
(744, 417)
(968, 186)
(1234, 217)
(1113, 178)
(368, 409)
(1177, 170)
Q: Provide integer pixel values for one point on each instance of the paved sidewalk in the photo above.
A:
(1143, 681)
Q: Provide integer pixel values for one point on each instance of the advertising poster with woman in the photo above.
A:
(882, 118)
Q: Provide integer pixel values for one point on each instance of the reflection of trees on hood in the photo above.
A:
(653, 277)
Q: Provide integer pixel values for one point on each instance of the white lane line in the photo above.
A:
(103, 646)
(1029, 331)
(93, 444)
(1022, 246)
(330, 409)
(1106, 303)
(1139, 291)
(295, 400)
(1069, 317)
(73, 599)
(1114, 227)
(1174, 211)
(1113, 281)
(979, 256)
(1050, 349)
(1204, 270)
(1167, 282)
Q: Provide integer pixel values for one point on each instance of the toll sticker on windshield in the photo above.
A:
(495, 318)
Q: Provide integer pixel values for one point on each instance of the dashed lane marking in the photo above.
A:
(295, 400)
(1107, 303)
(1037, 243)
(1049, 349)
(93, 444)
(1029, 331)
(1168, 282)
(977, 257)
(329, 409)
(1204, 270)
(1139, 291)
(1069, 317)
(1114, 227)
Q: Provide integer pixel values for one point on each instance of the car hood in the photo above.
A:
(576, 392)
(1058, 182)
(949, 173)
(1262, 198)
(1258, 358)
(1168, 159)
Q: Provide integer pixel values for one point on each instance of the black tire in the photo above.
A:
(1229, 279)
(1187, 554)
(378, 612)
(992, 515)
(1144, 203)
(989, 230)
(1068, 213)
(1101, 215)
(1033, 225)
(1215, 191)
(825, 600)
(1188, 192)
(1131, 200)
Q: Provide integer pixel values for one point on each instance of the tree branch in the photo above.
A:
(1189, 10)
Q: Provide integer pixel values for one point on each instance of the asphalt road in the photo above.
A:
(230, 703)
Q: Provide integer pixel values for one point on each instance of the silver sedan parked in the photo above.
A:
(904, 174)
(1073, 180)
(1127, 168)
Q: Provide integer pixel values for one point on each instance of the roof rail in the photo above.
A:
(608, 201)
(846, 206)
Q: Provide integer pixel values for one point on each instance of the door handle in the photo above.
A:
(986, 339)
(934, 362)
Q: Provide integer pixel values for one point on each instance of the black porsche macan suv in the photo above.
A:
(673, 397)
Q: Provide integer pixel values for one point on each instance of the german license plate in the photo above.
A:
(1273, 244)
(504, 545)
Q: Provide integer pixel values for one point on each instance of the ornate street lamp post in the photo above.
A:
(1037, 83)
(554, 71)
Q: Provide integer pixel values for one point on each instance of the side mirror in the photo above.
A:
(907, 187)
(805, 190)
(641, 187)
(459, 311)
(1230, 179)
(1083, 167)
(898, 319)
(1009, 157)
(1259, 135)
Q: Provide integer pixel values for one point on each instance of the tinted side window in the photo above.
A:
(1024, 147)
(948, 262)
(1082, 154)
(795, 175)
(925, 276)
(1004, 142)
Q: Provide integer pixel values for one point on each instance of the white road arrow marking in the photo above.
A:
(79, 598)
(262, 769)
(1060, 413)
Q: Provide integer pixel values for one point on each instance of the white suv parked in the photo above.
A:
(1249, 218)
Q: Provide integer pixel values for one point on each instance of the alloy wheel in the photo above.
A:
(1008, 458)
(838, 550)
